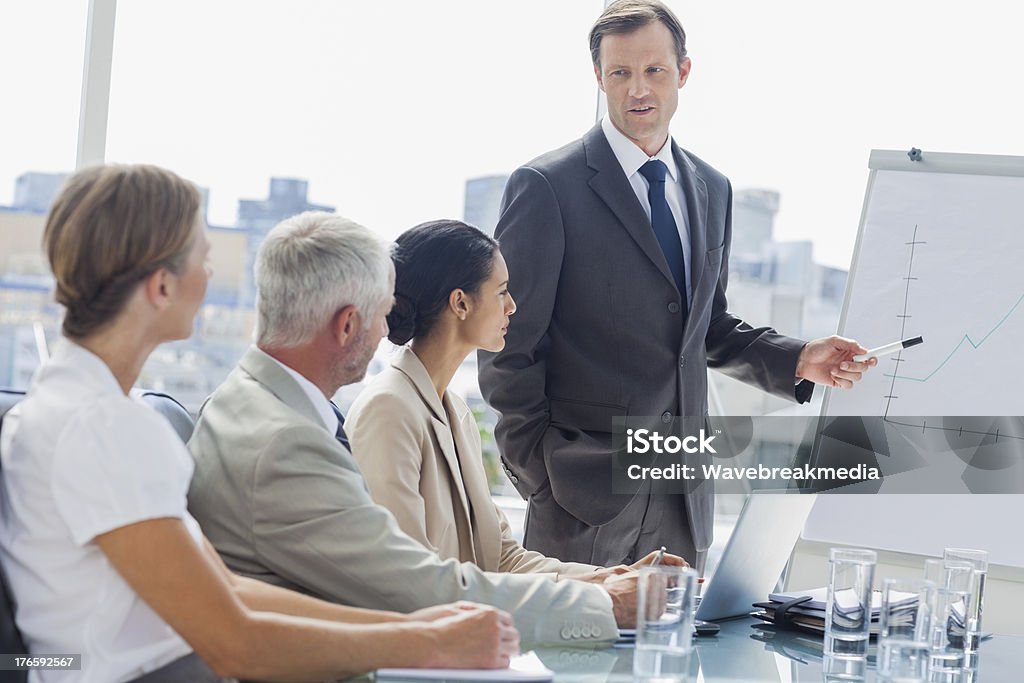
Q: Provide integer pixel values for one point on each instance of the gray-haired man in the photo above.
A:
(275, 487)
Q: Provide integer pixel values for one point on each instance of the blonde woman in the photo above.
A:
(103, 558)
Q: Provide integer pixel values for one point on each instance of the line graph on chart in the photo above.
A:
(937, 260)
(966, 342)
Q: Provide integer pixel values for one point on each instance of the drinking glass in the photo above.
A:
(952, 605)
(978, 559)
(905, 628)
(848, 605)
(664, 623)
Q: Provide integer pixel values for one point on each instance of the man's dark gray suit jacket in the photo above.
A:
(600, 331)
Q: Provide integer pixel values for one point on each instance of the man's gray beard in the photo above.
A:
(354, 367)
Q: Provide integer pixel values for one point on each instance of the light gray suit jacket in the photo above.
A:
(599, 330)
(283, 501)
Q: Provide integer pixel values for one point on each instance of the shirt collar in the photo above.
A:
(67, 353)
(316, 397)
(631, 157)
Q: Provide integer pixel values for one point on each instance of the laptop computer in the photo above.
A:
(766, 532)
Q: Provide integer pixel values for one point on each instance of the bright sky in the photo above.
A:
(387, 108)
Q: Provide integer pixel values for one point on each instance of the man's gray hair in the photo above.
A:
(310, 266)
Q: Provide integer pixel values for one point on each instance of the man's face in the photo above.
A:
(640, 75)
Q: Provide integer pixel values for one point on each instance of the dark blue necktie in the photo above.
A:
(340, 435)
(664, 225)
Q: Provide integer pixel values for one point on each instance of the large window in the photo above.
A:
(395, 113)
(382, 112)
(41, 48)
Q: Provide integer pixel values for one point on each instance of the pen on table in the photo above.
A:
(889, 348)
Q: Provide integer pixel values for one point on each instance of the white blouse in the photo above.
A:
(80, 459)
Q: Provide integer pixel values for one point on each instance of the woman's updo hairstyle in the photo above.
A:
(110, 228)
(431, 260)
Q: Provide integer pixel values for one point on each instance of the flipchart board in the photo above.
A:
(939, 255)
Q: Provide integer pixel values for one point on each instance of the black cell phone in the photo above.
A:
(706, 628)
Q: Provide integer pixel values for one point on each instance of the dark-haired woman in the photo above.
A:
(417, 443)
(102, 556)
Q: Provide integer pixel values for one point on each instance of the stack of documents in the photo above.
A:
(806, 609)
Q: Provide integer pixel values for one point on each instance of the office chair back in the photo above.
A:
(168, 406)
(10, 637)
(8, 399)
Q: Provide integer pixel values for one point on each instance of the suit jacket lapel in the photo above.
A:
(612, 186)
(486, 532)
(695, 191)
(408, 364)
(271, 375)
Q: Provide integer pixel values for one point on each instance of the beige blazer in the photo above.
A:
(283, 501)
(422, 459)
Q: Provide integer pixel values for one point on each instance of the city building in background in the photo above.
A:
(34, 191)
(777, 284)
(190, 369)
(771, 283)
(287, 197)
(753, 221)
(28, 314)
(483, 201)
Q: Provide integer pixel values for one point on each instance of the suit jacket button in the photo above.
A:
(566, 632)
(596, 631)
(682, 361)
(673, 307)
(587, 631)
(514, 479)
(576, 631)
(666, 417)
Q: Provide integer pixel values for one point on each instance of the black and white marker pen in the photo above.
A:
(889, 348)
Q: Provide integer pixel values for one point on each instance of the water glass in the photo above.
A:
(905, 628)
(978, 559)
(949, 628)
(664, 623)
(844, 670)
(848, 607)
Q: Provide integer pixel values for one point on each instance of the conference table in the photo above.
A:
(749, 650)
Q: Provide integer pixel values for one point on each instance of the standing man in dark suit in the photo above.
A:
(617, 246)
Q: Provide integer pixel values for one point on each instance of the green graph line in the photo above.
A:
(966, 338)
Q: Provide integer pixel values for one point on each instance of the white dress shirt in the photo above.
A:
(80, 459)
(631, 158)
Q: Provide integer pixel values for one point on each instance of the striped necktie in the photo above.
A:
(340, 435)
